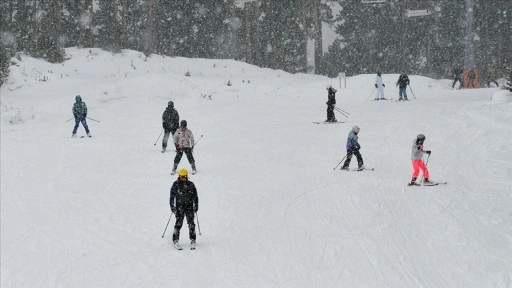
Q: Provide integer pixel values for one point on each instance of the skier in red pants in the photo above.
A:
(417, 160)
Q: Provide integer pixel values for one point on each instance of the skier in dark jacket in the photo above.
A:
(184, 203)
(402, 83)
(331, 102)
(353, 149)
(457, 76)
(80, 114)
(170, 123)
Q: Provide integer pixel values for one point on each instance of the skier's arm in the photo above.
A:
(172, 197)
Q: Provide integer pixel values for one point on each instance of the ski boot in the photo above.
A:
(413, 181)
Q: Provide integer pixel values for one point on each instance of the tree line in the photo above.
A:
(267, 33)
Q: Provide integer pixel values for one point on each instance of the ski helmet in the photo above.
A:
(183, 123)
(183, 172)
(170, 104)
(355, 129)
(420, 138)
(378, 74)
(78, 98)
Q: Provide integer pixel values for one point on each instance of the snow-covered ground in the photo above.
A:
(80, 212)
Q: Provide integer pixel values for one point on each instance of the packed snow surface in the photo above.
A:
(273, 211)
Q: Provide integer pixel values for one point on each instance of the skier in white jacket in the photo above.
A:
(184, 142)
(380, 87)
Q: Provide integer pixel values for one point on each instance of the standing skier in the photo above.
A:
(353, 149)
(170, 123)
(331, 102)
(380, 87)
(457, 76)
(184, 142)
(402, 83)
(184, 203)
(80, 113)
(417, 160)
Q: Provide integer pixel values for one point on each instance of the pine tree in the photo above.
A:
(509, 80)
(4, 63)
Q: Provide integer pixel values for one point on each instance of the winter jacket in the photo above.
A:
(183, 195)
(170, 119)
(183, 138)
(417, 151)
(79, 109)
(331, 97)
(352, 141)
(378, 81)
(403, 81)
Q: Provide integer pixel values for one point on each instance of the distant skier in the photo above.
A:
(331, 102)
(184, 142)
(417, 160)
(184, 202)
(170, 123)
(353, 149)
(471, 78)
(457, 76)
(80, 114)
(402, 83)
(380, 87)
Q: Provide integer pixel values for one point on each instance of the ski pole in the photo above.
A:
(198, 228)
(198, 139)
(371, 94)
(413, 96)
(92, 119)
(158, 137)
(70, 119)
(167, 225)
(340, 162)
(341, 110)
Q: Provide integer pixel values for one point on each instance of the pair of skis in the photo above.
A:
(427, 184)
(179, 247)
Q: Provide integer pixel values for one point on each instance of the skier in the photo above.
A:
(380, 87)
(184, 203)
(402, 83)
(80, 113)
(331, 102)
(457, 76)
(184, 142)
(353, 149)
(417, 160)
(471, 78)
(170, 123)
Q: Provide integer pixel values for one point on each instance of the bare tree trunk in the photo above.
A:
(318, 36)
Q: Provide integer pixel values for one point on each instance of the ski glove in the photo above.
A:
(177, 146)
(376, 86)
(428, 152)
(383, 85)
(173, 209)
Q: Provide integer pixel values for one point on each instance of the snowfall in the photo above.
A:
(275, 210)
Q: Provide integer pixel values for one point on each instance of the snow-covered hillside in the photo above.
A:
(80, 212)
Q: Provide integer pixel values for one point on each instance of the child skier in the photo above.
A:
(417, 160)
(353, 149)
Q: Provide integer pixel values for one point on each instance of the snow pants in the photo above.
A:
(77, 123)
(402, 93)
(188, 152)
(180, 215)
(380, 93)
(349, 158)
(167, 133)
(416, 166)
(330, 113)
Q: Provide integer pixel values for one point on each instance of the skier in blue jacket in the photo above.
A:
(80, 113)
(353, 149)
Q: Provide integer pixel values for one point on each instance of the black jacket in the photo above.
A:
(183, 195)
(331, 97)
(170, 119)
(403, 81)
